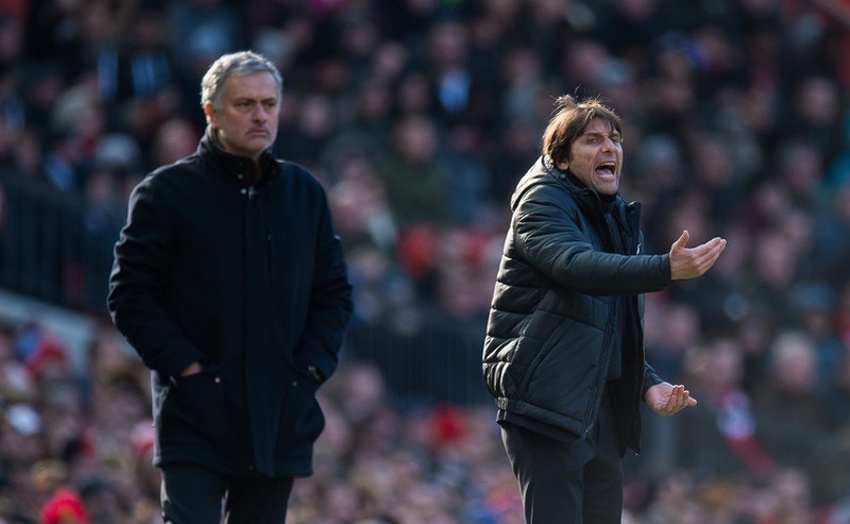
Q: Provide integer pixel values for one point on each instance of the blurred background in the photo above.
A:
(419, 116)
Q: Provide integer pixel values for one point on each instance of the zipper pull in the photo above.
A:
(251, 192)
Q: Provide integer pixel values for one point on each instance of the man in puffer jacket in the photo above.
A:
(563, 357)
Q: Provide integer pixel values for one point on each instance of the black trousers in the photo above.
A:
(192, 494)
(578, 482)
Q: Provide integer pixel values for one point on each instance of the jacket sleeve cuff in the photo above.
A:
(315, 361)
(650, 378)
(665, 267)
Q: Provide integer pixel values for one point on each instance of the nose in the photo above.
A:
(261, 113)
(609, 143)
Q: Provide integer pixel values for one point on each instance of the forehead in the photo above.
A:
(260, 84)
(599, 125)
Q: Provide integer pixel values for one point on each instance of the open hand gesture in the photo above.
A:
(693, 262)
(667, 399)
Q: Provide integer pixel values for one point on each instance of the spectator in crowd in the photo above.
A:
(834, 470)
(674, 330)
(791, 419)
(812, 306)
(174, 139)
(718, 437)
(237, 348)
(416, 184)
(842, 314)
(831, 251)
(314, 127)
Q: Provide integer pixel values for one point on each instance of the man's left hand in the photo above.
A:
(667, 399)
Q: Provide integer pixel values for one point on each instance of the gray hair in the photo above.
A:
(239, 63)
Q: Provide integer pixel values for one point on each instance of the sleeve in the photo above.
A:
(650, 378)
(330, 304)
(550, 235)
(137, 283)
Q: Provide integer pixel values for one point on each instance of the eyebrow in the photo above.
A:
(613, 133)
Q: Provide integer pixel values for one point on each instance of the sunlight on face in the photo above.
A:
(247, 123)
(597, 157)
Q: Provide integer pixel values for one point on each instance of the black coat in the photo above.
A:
(248, 279)
(556, 316)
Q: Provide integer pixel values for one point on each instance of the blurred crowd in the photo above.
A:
(418, 116)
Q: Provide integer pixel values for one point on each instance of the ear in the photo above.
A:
(209, 111)
(563, 166)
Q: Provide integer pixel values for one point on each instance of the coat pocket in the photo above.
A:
(195, 407)
(301, 417)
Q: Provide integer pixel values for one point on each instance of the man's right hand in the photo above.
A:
(688, 262)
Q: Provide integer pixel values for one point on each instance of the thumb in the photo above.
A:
(682, 241)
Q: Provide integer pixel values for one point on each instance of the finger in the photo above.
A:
(705, 255)
(678, 389)
(718, 245)
(682, 241)
(672, 400)
(684, 399)
(707, 260)
(687, 400)
(715, 245)
(679, 398)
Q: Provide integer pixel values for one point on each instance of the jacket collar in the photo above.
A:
(234, 167)
(592, 203)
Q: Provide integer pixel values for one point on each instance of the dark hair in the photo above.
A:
(569, 119)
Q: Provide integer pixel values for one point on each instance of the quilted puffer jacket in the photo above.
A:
(556, 315)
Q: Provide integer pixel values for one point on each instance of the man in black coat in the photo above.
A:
(230, 283)
(563, 356)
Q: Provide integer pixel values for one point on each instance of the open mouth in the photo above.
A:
(606, 169)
